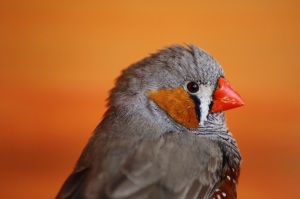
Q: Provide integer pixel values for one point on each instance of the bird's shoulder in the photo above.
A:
(175, 165)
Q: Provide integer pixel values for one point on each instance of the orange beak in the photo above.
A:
(225, 97)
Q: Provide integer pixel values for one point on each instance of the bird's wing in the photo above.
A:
(176, 166)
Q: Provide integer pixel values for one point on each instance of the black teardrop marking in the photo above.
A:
(197, 106)
(211, 104)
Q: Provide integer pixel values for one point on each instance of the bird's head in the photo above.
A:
(184, 84)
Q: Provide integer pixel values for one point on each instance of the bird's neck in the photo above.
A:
(152, 124)
(215, 129)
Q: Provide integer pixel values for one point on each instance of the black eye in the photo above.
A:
(193, 87)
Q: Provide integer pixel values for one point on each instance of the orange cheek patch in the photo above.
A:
(178, 104)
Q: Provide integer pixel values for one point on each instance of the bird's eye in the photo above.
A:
(193, 87)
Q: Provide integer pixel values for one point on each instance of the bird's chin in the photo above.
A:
(204, 118)
(212, 120)
(203, 122)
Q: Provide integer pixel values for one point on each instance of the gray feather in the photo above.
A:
(138, 151)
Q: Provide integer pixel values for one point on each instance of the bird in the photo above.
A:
(164, 133)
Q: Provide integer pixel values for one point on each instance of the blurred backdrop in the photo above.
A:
(59, 59)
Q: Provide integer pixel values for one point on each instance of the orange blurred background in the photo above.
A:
(59, 59)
